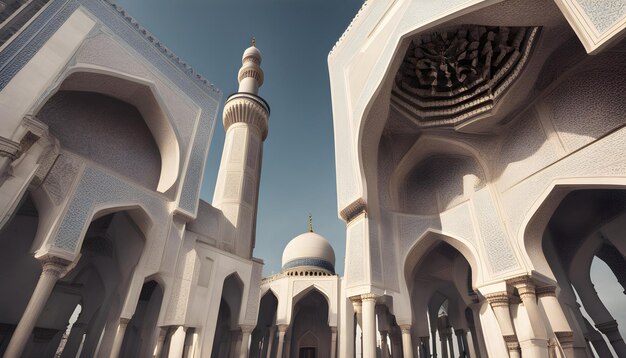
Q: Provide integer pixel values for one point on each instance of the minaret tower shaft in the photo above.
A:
(246, 123)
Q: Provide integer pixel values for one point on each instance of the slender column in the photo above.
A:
(423, 347)
(610, 330)
(177, 343)
(466, 347)
(460, 333)
(282, 328)
(160, 341)
(556, 317)
(444, 344)
(450, 342)
(478, 338)
(434, 338)
(369, 325)
(74, 339)
(599, 344)
(119, 337)
(396, 342)
(287, 345)
(384, 347)
(271, 341)
(245, 340)
(358, 311)
(333, 342)
(499, 302)
(407, 345)
(53, 269)
(538, 346)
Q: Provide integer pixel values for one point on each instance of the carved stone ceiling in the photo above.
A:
(453, 75)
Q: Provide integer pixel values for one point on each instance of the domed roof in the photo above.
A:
(252, 51)
(309, 249)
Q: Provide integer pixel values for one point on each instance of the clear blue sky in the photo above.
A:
(295, 37)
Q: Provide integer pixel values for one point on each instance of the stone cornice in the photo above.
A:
(353, 210)
(244, 108)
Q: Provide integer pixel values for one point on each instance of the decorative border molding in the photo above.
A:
(353, 210)
(310, 263)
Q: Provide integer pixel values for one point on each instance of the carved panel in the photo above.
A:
(61, 176)
(451, 76)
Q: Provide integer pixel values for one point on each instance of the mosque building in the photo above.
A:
(480, 170)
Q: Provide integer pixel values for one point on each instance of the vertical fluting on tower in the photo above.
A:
(245, 120)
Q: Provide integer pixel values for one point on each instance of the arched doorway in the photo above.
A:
(227, 332)
(440, 282)
(587, 226)
(264, 334)
(141, 333)
(310, 334)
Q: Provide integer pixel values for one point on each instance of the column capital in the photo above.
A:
(405, 328)
(511, 342)
(546, 291)
(247, 328)
(333, 329)
(524, 285)
(498, 299)
(565, 337)
(9, 148)
(124, 321)
(54, 266)
(369, 297)
(282, 328)
(460, 331)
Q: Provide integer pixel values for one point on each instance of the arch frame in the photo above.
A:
(160, 123)
(529, 237)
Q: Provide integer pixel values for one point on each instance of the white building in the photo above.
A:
(103, 140)
(480, 167)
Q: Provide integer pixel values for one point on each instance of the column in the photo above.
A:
(478, 339)
(424, 352)
(468, 351)
(160, 341)
(270, 341)
(443, 337)
(396, 342)
(369, 325)
(407, 345)
(282, 328)
(358, 311)
(333, 342)
(384, 347)
(245, 340)
(556, 317)
(460, 333)
(499, 302)
(119, 337)
(53, 269)
(600, 315)
(177, 342)
(434, 338)
(74, 339)
(537, 346)
(450, 343)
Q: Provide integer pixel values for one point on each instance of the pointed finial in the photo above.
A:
(310, 222)
(253, 41)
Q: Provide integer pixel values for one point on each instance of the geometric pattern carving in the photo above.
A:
(451, 76)
(603, 13)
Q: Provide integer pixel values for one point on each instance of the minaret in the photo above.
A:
(237, 189)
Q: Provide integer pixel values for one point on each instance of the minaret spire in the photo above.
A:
(310, 222)
(246, 117)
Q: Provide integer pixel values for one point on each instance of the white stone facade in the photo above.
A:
(468, 134)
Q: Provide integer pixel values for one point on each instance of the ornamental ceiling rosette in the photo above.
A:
(452, 76)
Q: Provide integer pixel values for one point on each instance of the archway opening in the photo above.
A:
(441, 292)
(227, 332)
(587, 226)
(265, 330)
(310, 334)
(141, 333)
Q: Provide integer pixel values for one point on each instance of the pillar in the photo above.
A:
(74, 339)
(358, 311)
(499, 302)
(434, 344)
(245, 340)
(461, 343)
(53, 269)
(369, 325)
(444, 344)
(119, 337)
(610, 330)
(407, 345)
(537, 346)
(177, 342)
(558, 322)
(270, 341)
(467, 349)
(384, 347)
(396, 342)
(160, 342)
(282, 328)
(333, 342)
(424, 352)
(450, 343)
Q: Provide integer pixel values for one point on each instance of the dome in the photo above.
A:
(309, 249)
